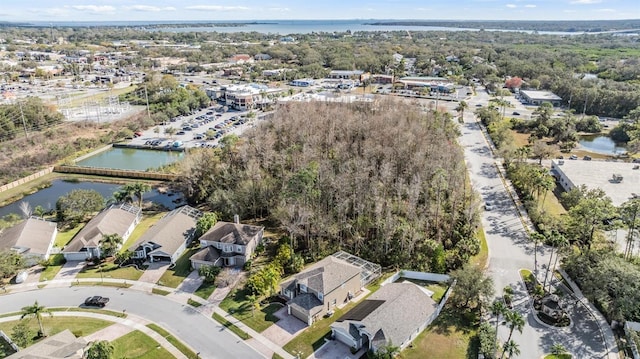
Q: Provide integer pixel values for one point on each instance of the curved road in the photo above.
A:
(201, 333)
(510, 251)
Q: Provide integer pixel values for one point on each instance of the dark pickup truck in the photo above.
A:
(96, 301)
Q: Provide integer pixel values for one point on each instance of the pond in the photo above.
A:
(601, 144)
(48, 197)
(131, 159)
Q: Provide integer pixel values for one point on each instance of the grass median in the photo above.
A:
(174, 341)
(232, 327)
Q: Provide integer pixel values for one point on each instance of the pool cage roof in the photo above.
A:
(369, 271)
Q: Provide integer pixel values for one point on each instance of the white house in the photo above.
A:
(32, 238)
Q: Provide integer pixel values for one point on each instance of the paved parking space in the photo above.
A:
(154, 272)
(284, 329)
(334, 349)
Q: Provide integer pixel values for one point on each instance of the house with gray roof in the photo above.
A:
(317, 290)
(395, 314)
(62, 345)
(169, 237)
(227, 244)
(120, 219)
(32, 238)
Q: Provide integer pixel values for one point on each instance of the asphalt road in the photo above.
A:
(201, 333)
(510, 251)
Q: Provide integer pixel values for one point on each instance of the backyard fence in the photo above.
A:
(9, 341)
(24, 180)
(628, 328)
(110, 172)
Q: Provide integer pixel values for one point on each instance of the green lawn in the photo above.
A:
(175, 342)
(227, 324)
(89, 310)
(558, 356)
(62, 238)
(205, 290)
(173, 277)
(438, 291)
(56, 262)
(236, 304)
(193, 303)
(481, 258)
(54, 325)
(137, 345)
(159, 291)
(111, 270)
(142, 227)
(105, 284)
(450, 336)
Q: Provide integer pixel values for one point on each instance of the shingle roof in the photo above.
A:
(206, 254)
(226, 232)
(306, 302)
(114, 220)
(406, 306)
(171, 231)
(327, 275)
(32, 236)
(61, 345)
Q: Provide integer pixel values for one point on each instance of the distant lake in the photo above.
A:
(48, 197)
(601, 144)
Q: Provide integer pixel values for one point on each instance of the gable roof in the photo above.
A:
(327, 275)
(233, 233)
(404, 307)
(33, 235)
(206, 254)
(171, 231)
(113, 220)
(61, 345)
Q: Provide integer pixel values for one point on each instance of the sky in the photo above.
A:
(165, 10)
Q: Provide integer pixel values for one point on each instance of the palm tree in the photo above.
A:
(512, 348)
(110, 243)
(100, 350)
(36, 311)
(514, 321)
(536, 238)
(560, 242)
(558, 349)
(554, 239)
(462, 106)
(139, 188)
(497, 308)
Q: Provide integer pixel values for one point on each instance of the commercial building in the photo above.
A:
(620, 180)
(540, 97)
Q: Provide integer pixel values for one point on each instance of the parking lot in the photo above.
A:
(202, 129)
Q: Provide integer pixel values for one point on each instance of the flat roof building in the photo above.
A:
(619, 180)
(540, 97)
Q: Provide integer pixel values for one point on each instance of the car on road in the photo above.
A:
(180, 133)
(516, 113)
(573, 157)
(488, 206)
(96, 301)
(587, 158)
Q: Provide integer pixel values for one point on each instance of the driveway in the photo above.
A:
(191, 283)
(334, 349)
(284, 329)
(69, 270)
(153, 273)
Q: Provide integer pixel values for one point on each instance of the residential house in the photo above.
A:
(395, 314)
(241, 59)
(61, 345)
(540, 97)
(227, 244)
(169, 237)
(302, 82)
(325, 285)
(32, 238)
(118, 219)
(262, 57)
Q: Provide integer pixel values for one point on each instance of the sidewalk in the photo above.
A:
(121, 327)
(207, 309)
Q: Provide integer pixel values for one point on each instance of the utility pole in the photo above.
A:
(24, 123)
(146, 95)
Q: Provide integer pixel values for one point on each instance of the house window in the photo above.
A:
(303, 288)
(239, 249)
(228, 248)
(320, 296)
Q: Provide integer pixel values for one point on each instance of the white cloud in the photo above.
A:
(606, 10)
(586, 2)
(530, 6)
(94, 9)
(149, 8)
(512, 6)
(216, 8)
